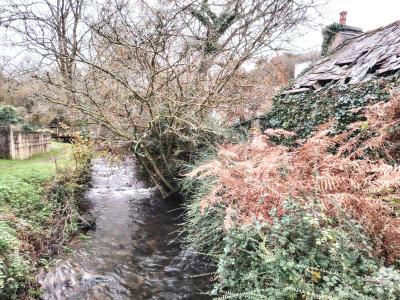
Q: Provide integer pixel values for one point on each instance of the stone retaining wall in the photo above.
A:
(18, 144)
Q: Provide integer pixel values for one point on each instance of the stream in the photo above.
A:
(131, 254)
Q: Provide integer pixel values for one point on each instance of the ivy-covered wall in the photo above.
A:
(328, 35)
(301, 113)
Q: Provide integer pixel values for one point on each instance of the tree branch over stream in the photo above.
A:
(150, 73)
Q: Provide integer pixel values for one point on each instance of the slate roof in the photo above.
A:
(374, 53)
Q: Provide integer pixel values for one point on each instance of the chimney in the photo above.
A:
(335, 35)
(342, 19)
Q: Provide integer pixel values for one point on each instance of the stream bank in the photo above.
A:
(40, 207)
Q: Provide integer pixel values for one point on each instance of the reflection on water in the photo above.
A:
(130, 254)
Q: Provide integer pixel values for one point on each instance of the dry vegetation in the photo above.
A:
(22, 94)
(355, 173)
(251, 93)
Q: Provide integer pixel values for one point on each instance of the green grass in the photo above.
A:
(39, 204)
(42, 165)
(24, 212)
(22, 184)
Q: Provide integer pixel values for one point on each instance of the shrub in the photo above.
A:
(24, 197)
(254, 177)
(336, 235)
(14, 268)
(302, 255)
(7, 237)
(14, 275)
(9, 115)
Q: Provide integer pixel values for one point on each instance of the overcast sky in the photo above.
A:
(367, 14)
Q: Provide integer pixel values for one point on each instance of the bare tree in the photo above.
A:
(153, 72)
(51, 30)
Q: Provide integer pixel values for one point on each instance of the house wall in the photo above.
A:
(18, 144)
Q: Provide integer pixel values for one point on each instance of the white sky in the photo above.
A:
(367, 14)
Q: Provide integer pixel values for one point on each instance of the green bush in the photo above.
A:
(24, 197)
(203, 229)
(8, 238)
(301, 255)
(14, 268)
(14, 275)
(9, 115)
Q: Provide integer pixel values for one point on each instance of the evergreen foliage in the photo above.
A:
(328, 34)
(9, 115)
(302, 113)
(302, 255)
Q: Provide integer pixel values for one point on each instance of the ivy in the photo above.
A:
(302, 113)
(302, 255)
(328, 34)
(9, 115)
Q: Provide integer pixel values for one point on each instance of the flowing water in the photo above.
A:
(131, 254)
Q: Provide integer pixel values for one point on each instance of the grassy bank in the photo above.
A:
(39, 205)
(42, 165)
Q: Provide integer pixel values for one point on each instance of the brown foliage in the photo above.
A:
(250, 93)
(257, 176)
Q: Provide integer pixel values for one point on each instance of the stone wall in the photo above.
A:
(18, 144)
